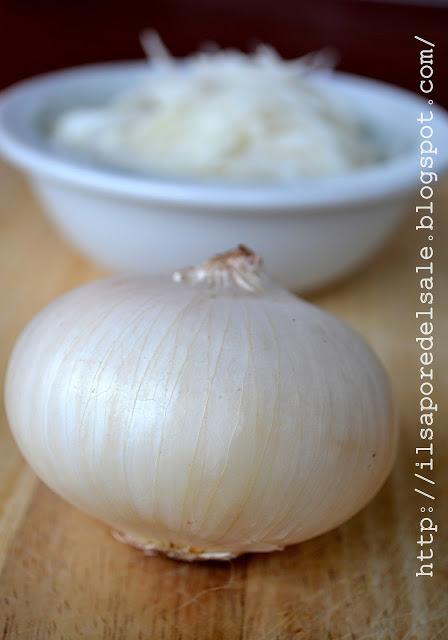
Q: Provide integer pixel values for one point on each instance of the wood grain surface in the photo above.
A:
(63, 576)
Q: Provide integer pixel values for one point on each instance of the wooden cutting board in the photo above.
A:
(63, 576)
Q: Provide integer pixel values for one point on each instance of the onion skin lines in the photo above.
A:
(200, 422)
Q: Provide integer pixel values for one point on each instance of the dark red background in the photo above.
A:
(372, 38)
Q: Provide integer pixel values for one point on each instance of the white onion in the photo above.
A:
(203, 418)
(224, 114)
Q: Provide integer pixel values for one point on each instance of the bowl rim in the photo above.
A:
(20, 144)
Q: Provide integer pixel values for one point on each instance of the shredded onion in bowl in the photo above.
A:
(223, 115)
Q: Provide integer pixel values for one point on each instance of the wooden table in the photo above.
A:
(63, 576)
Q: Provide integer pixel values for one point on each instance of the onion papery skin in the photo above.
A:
(201, 422)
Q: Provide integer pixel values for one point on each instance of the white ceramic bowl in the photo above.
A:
(309, 233)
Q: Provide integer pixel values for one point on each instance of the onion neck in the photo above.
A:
(238, 267)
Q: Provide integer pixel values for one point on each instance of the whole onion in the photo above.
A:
(203, 416)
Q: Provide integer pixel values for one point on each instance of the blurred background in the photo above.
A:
(62, 575)
(371, 38)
